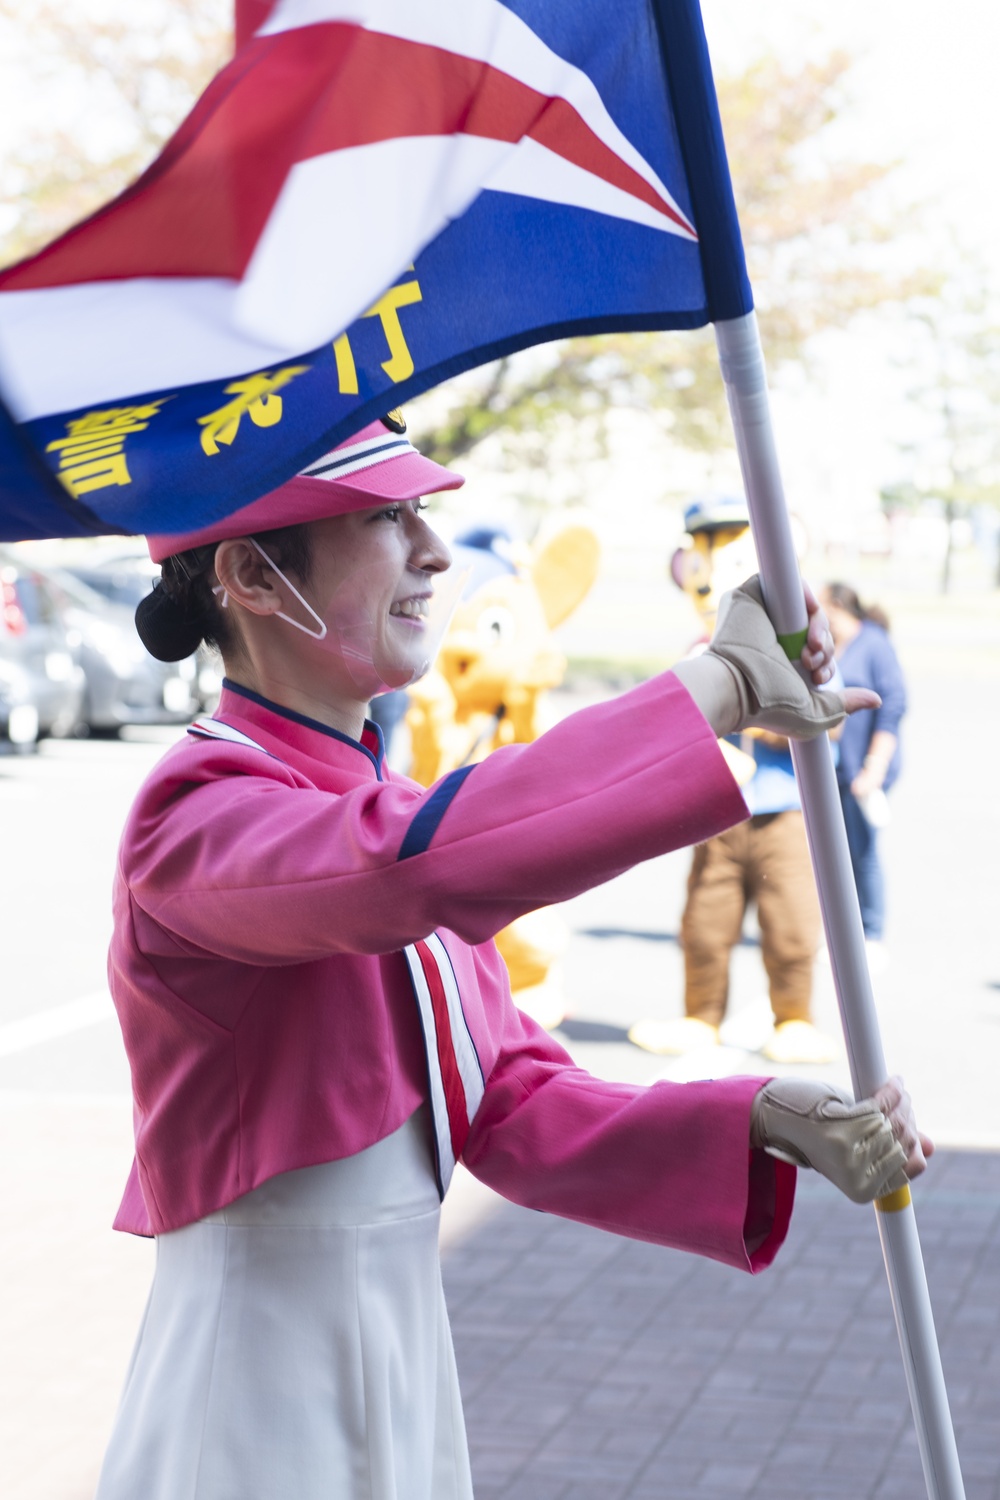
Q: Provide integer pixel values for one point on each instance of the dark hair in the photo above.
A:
(846, 598)
(182, 611)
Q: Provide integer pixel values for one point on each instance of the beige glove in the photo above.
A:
(773, 695)
(816, 1125)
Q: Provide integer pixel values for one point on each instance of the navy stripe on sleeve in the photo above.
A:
(425, 824)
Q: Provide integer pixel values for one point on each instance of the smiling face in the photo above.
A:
(370, 582)
(356, 621)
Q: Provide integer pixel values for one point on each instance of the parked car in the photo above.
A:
(124, 684)
(124, 580)
(41, 683)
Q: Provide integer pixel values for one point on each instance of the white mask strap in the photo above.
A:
(316, 635)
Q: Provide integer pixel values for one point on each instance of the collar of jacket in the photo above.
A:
(265, 721)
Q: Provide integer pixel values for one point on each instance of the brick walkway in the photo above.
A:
(596, 1368)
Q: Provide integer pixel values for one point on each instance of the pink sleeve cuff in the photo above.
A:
(770, 1197)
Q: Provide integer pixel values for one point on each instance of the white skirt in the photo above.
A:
(296, 1345)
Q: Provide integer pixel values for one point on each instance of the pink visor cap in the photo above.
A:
(377, 463)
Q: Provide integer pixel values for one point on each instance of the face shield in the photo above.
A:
(383, 643)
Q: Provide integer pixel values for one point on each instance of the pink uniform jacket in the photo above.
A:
(261, 901)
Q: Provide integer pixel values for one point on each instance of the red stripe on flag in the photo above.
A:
(201, 207)
(454, 1089)
(250, 15)
(561, 129)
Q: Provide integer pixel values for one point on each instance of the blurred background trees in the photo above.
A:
(812, 229)
(950, 459)
(116, 83)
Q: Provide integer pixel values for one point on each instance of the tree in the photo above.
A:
(953, 363)
(813, 238)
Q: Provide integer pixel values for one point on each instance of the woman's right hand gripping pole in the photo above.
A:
(744, 680)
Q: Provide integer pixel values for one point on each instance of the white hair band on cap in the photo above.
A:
(350, 460)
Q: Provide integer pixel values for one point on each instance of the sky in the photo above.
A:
(924, 88)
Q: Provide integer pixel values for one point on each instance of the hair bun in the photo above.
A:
(166, 630)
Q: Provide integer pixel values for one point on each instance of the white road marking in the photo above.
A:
(60, 1020)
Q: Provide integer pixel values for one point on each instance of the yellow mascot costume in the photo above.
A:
(496, 664)
(764, 861)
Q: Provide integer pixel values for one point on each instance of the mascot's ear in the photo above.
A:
(564, 569)
(678, 566)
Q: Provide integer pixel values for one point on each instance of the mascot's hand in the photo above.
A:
(772, 692)
(866, 1149)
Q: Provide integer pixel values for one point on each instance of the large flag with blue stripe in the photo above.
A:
(373, 196)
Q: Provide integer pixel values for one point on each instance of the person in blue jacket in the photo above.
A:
(869, 745)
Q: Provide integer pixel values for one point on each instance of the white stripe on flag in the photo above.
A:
(305, 281)
(153, 334)
(531, 170)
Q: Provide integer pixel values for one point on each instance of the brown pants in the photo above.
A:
(766, 861)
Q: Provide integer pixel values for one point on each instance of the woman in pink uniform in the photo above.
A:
(319, 1025)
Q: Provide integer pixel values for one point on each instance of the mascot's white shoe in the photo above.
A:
(799, 1042)
(675, 1037)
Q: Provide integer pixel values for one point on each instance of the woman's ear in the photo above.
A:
(246, 578)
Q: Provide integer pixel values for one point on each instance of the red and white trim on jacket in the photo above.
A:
(453, 1068)
(215, 729)
(456, 1077)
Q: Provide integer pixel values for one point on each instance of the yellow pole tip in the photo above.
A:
(894, 1203)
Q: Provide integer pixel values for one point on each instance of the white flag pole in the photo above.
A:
(743, 371)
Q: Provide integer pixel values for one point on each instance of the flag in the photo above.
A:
(373, 196)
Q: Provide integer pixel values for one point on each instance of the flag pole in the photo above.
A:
(742, 361)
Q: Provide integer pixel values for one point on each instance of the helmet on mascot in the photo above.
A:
(717, 553)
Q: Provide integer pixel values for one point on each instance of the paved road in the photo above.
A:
(595, 1368)
(746, 1378)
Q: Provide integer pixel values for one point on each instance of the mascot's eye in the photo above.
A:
(496, 625)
